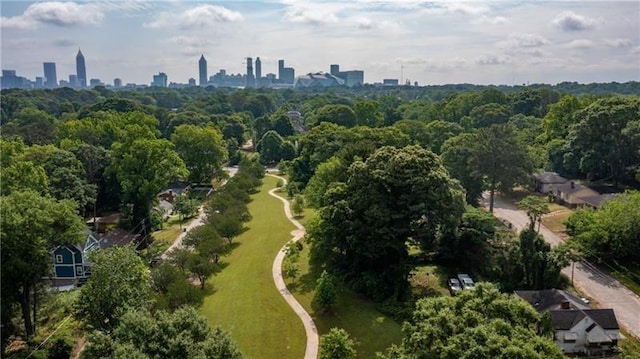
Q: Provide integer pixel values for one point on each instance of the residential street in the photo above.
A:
(601, 288)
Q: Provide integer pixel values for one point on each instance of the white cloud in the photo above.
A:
(490, 20)
(520, 40)
(581, 44)
(196, 18)
(619, 43)
(308, 14)
(63, 14)
(570, 21)
(492, 60)
(388, 26)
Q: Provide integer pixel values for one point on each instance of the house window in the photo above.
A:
(58, 258)
(79, 271)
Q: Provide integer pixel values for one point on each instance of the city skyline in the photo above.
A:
(428, 42)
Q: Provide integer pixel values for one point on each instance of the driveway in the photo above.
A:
(602, 288)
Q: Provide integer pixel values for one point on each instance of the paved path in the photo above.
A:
(195, 222)
(309, 326)
(605, 290)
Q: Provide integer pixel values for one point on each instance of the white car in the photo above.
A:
(466, 282)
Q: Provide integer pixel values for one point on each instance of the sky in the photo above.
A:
(431, 42)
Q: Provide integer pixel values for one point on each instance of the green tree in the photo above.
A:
(417, 132)
(337, 345)
(560, 117)
(329, 172)
(297, 207)
(270, 147)
(202, 149)
(611, 232)
(119, 282)
(606, 139)
(143, 168)
(183, 334)
(536, 207)
(489, 114)
(441, 131)
(367, 113)
(342, 115)
(325, 294)
(483, 323)
(281, 124)
(457, 155)
(202, 267)
(30, 226)
(397, 195)
(500, 159)
(65, 174)
(185, 206)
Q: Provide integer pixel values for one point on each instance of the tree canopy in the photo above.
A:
(482, 323)
(183, 334)
(396, 196)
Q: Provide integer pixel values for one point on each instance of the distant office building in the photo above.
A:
(390, 82)
(117, 82)
(160, 80)
(39, 82)
(81, 70)
(95, 82)
(73, 81)
(251, 80)
(202, 66)
(335, 70)
(351, 78)
(286, 75)
(258, 71)
(9, 79)
(192, 82)
(50, 78)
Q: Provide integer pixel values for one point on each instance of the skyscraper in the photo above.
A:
(160, 80)
(202, 65)
(258, 68)
(286, 75)
(51, 80)
(251, 80)
(81, 70)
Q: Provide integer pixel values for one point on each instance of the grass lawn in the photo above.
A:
(245, 301)
(371, 330)
(555, 222)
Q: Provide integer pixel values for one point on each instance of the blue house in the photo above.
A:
(71, 261)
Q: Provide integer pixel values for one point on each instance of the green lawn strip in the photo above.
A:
(371, 330)
(245, 301)
(555, 222)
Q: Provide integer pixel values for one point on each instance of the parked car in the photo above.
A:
(466, 282)
(454, 285)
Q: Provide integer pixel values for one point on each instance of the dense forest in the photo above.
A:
(396, 175)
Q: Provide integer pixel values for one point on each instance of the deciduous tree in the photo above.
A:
(119, 282)
(30, 226)
(202, 149)
(337, 345)
(483, 323)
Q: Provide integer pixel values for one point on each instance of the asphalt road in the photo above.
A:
(606, 291)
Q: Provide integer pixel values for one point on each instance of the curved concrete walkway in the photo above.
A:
(309, 326)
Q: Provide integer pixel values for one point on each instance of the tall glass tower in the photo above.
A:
(202, 66)
(51, 80)
(81, 70)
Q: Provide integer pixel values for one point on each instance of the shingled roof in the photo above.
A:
(550, 299)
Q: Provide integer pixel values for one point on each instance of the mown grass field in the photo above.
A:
(245, 302)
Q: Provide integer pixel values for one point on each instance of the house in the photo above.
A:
(596, 202)
(71, 264)
(102, 224)
(174, 190)
(587, 331)
(577, 327)
(571, 193)
(551, 299)
(543, 182)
